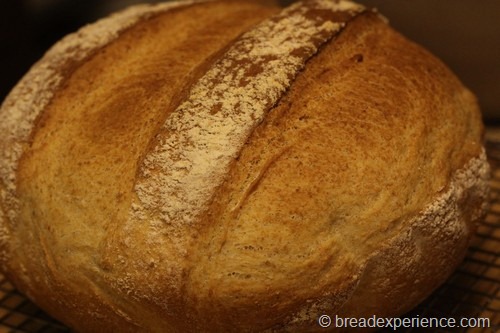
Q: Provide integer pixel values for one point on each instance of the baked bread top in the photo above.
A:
(230, 166)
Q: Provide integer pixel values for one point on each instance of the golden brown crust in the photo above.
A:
(335, 172)
(359, 167)
(113, 104)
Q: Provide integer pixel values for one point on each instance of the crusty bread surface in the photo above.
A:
(231, 166)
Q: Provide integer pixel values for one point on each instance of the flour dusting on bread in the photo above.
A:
(443, 215)
(207, 130)
(34, 92)
(122, 243)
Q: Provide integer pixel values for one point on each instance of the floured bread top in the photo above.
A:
(33, 93)
(206, 132)
(229, 166)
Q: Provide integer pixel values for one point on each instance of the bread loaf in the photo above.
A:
(230, 166)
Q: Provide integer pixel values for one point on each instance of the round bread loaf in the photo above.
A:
(225, 166)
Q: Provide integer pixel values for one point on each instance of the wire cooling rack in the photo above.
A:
(473, 291)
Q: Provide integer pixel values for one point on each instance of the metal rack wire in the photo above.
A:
(18, 314)
(473, 291)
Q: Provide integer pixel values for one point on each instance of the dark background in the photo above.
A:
(463, 33)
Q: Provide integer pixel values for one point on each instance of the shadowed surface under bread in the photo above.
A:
(325, 181)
